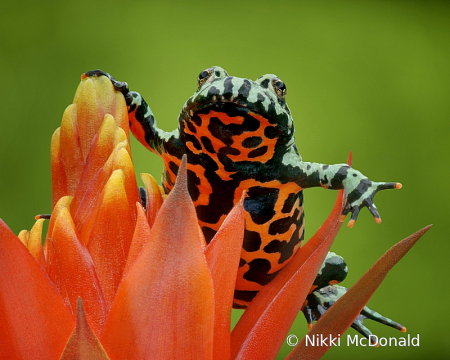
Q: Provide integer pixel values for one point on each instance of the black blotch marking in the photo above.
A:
(260, 97)
(300, 198)
(289, 203)
(228, 87)
(228, 150)
(324, 167)
(362, 187)
(282, 225)
(271, 132)
(132, 108)
(173, 167)
(191, 127)
(196, 119)
(274, 246)
(288, 249)
(225, 132)
(208, 233)
(252, 142)
(252, 241)
(258, 272)
(355, 175)
(213, 91)
(245, 295)
(257, 152)
(219, 130)
(260, 203)
(207, 144)
(193, 183)
(339, 177)
(244, 90)
(265, 83)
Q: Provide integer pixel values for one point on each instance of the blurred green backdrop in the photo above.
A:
(367, 76)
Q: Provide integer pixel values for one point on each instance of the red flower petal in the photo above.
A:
(35, 242)
(341, 315)
(164, 308)
(72, 270)
(48, 249)
(83, 344)
(34, 321)
(277, 304)
(223, 254)
(59, 181)
(71, 155)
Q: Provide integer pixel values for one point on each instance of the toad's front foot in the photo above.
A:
(118, 85)
(319, 301)
(360, 194)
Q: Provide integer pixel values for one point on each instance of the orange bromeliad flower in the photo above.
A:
(115, 280)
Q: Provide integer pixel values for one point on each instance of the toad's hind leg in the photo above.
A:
(325, 293)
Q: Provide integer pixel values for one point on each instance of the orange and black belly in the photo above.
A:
(231, 149)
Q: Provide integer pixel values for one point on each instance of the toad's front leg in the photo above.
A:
(360, 190)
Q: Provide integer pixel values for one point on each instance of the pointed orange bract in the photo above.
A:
(223, 254)
(48, 248)
(164, 307)
(99, 152)
(59, 178)
(83, 344)
(140, 237)
(277, 304)
(34, 323)
(35, 242)
(111, 235)
(71, 155)
(96, 102)
(96, 97)
(341, 315)
(72, 270)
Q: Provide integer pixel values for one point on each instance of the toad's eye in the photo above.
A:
(279, 87)
(204, 76)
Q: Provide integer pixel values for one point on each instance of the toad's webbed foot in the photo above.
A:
(359, 189)
(361, 194)
(320, 300)
(142, 121)
(118, 85)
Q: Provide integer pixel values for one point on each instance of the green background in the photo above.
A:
(367, 76)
